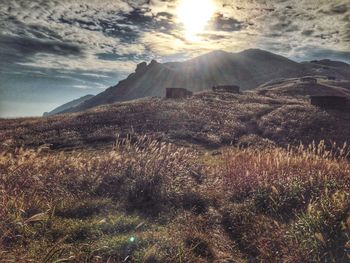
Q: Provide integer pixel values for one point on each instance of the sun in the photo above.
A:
(194, 15)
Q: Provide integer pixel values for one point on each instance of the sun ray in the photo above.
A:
(195, 15)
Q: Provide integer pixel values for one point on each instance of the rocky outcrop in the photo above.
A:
(140, 67)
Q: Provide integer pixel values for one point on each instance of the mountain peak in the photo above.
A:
(218, 52)
(141, 66)
(153, 62)
(256, 51)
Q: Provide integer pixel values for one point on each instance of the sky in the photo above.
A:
(53, 51)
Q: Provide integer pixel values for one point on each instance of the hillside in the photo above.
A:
(248, 69)
(278, 112)
(68, 105)
(217, 177)
(296, 88)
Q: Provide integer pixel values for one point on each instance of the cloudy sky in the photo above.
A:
(52, 51)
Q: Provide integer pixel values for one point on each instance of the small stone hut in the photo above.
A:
(330, 102)
(227, 88)
(331, 78)
(309, 80)
(177, 93)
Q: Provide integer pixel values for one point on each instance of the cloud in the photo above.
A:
(16, 49)
(222, 23)
(48, 41)
(336, 9)
(116, 30)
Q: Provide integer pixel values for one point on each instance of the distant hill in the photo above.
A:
(331, 63)
(297, 88)
(68, 105)
(330, 68)
(247, 69)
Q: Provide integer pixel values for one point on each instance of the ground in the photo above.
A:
(218, 177)
(280, 115)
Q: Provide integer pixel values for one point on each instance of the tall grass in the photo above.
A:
(299, 195)
(150, 201)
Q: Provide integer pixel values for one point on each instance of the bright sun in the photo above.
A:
(194, 15)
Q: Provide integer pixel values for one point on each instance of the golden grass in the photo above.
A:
(150, 201)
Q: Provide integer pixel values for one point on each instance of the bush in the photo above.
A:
(195, 202)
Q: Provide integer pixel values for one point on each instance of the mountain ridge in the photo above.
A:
(68, 105)
(248, 69)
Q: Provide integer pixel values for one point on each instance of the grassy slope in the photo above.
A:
(155, 202)
(209, 119)
(145, 200)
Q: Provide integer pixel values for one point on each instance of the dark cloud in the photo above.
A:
(222, 23)
(14, 49)
(148, 22)
(339, 9)
(29, 46)
(284, 26)
(336, 9)
(307, 32)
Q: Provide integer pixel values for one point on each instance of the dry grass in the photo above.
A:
(150, 201)
(207, 119)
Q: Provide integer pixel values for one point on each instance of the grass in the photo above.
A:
(151, 201)
(207, 119)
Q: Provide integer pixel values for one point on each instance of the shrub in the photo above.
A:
(195, 202)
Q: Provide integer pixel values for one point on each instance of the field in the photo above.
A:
(150, 201)
(215, 178)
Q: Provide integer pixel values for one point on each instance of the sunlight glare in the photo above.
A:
(194, 15)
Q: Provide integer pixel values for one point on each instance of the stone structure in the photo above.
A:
(177, 93)
(309, 80)
(227, 88)
(330, 102)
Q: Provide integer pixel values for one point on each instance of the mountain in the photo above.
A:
(68, 105)
(247, 69)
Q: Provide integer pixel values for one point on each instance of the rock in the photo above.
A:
(141, 66)
(153, 62)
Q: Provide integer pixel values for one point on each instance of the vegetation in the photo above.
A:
(215, 178)
(150, 201)
(207, 119)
